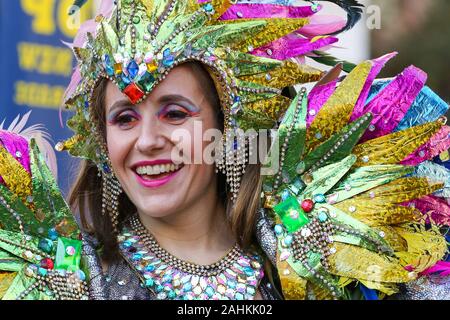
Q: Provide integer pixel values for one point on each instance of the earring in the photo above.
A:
(231, 160)
(111, 191)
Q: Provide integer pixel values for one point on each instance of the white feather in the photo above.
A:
(41, 136)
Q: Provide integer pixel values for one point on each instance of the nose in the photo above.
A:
(150, 137)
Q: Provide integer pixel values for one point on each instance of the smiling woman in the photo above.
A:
(178, 206)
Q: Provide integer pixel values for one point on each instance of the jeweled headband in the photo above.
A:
(247, 48)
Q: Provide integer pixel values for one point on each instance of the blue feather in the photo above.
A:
(369, 294)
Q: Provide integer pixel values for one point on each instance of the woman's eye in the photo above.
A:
(125, 120)
(176, 115)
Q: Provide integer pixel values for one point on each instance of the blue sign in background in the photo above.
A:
(36, 67)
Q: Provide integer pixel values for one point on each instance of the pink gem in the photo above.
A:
(253, 282)
(221, 279)
(243, 262)
(332, 199)
(70, 251)
(285, 255)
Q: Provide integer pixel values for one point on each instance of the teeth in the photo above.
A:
(157, 169)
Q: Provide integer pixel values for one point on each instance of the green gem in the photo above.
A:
(284, 210)
(65, 261)
(136, 20)
(45, 245)
(121, 84)
(147, 81)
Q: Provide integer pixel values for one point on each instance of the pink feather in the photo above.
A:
(442, 268)
(432, 207)
(321, 25)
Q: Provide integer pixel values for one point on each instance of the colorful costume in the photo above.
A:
(40, 249)
(358, 204)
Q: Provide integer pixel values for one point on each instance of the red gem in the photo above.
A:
(47, 264)
(307, 205)
(134, 93)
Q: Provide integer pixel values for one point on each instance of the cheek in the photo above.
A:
(118, 147)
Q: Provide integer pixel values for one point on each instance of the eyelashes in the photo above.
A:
(172, 114)
(124, 119)
(176, 114)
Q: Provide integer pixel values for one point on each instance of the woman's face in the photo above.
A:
(143, 138)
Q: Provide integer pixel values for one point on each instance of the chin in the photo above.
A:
(159, 206)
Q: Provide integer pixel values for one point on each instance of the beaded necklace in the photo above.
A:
(234, 277)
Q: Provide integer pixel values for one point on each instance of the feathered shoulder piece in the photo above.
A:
(40, 247)
(361, 194)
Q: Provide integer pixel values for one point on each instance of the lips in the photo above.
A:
(153, 174)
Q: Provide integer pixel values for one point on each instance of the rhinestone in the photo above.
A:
(320, 198)
(365, 159)
(322, 216)
(333, 250)
(382, 234)
(18, 154)
(30, 199)
(278, 230)
(305, 232)
(195, 280)
(352, 209)
(372, 128)
(269, 52)
(312, 112)
(70, 250)
(161, 295)
(268, 77)
(28, 255)
(294, 214)
(422, 154)
(239, 14)
(286, 272)
(284, 255)
(250, 48)
(318, 135)
(221, 289)
(121, 282)
(197, 290)
(372, 195)
(288, 240)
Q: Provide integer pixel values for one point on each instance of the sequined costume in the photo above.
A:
(357, 206)
(40, 250)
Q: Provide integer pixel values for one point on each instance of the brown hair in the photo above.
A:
(85, 196)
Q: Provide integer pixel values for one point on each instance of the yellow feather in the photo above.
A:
(336, 112)
(395, 147)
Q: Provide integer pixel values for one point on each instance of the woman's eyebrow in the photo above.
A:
(175, 97)
(120, 104)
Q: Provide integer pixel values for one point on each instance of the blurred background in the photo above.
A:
(37, 65)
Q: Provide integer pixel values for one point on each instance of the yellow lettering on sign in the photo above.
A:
(45, 59)
(42, 13)
(41, 95)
